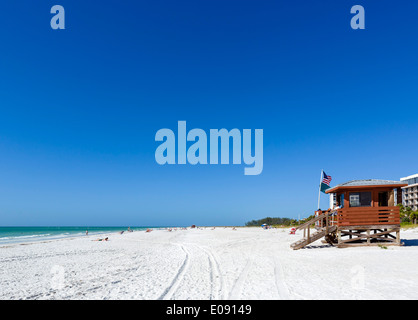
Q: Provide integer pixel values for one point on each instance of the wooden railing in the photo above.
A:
(312, 221)
(366, 216)
(325, 221)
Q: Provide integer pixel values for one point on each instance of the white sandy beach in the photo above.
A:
(247, 263)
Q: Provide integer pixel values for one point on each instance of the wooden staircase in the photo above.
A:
(313, 237)
(323, 231)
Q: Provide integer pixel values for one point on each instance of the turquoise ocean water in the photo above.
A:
(29, 234)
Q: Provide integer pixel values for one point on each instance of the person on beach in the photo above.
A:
(105, 239)
(335, 209)
(87, 232)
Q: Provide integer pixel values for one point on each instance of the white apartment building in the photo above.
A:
(410, 192)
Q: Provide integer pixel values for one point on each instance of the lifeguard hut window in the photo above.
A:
(360, 199)
(340, 200)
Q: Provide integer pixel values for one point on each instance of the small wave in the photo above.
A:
(25, 236)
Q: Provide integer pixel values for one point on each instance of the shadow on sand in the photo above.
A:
(410, 242)
(406, 243)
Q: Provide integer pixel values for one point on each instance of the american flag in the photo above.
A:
(326, 179)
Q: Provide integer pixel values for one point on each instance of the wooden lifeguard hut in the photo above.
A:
(365, 214)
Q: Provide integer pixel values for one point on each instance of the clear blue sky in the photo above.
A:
(79, 108)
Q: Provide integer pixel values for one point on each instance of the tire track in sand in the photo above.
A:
(171, 289)
(282, 289)
(217, 291)
(217, 283)
(236, 290)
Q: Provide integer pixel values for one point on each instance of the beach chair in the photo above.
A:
(292, 231)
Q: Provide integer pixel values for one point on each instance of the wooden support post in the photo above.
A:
(309, 231)
(326, 223)
(368, 236)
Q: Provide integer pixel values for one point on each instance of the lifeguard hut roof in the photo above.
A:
(367, 183)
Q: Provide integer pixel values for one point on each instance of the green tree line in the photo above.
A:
(277, 221)
(407, 214)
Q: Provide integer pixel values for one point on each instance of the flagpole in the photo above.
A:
(319, 189)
